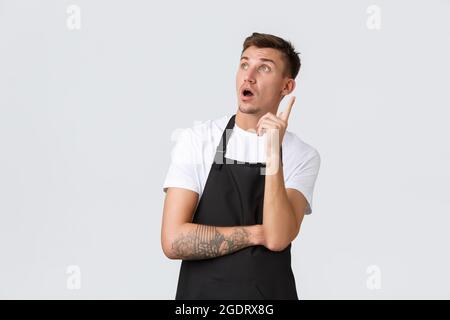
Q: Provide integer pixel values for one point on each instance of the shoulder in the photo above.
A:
(207, 129)
(202, 136)
(296, 149)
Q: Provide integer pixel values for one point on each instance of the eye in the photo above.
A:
(264, 68)
(244, 65)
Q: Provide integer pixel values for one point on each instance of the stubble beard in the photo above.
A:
(248, 109)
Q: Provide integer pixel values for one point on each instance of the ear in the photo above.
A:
(289, 86)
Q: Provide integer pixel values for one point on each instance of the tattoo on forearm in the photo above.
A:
(206, 242)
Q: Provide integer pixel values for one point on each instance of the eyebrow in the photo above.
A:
(262, 59)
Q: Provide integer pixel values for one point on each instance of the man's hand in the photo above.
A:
(270, 122)
(275, 127)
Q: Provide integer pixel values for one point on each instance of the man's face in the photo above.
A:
(260, 80)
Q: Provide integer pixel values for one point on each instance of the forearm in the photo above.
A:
(279, 221)
(198, 241)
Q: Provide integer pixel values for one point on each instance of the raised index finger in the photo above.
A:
(287, 112)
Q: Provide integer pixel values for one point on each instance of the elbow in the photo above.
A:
(277, 244)
(169, 238)
(166, 245)
(168, 253)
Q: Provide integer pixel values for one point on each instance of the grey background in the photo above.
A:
(88, 119)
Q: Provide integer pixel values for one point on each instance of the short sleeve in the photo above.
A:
(304, 178)
(183, 168)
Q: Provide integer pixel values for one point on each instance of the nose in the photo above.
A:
(250, 76)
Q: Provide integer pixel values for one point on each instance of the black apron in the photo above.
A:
(234, 196)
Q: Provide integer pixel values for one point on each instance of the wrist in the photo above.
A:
(257, 234)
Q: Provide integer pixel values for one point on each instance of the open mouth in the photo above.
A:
(247, 93)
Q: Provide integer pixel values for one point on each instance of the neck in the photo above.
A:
(248, 121)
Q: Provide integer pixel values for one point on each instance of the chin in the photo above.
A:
(249, 109)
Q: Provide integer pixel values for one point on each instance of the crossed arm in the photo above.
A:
(197, 241)
(181, 239)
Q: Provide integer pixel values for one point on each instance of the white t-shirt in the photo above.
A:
(195, 148)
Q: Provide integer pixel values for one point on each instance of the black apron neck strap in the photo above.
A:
(221, 150)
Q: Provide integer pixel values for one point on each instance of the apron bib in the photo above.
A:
(234, 196)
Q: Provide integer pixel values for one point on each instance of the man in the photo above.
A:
(238, 187)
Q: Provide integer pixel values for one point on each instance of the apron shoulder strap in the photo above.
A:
(219, 158)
